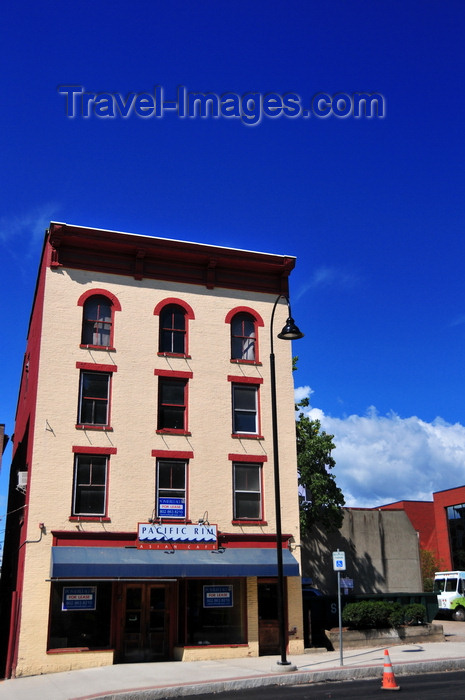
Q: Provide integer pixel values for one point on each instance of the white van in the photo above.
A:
(450, 589)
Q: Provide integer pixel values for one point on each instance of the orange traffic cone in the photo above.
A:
(389, 681)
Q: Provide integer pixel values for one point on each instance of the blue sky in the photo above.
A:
(373, 209)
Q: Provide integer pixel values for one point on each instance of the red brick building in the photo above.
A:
(440, 524)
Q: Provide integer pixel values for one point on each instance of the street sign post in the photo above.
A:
(339, 564)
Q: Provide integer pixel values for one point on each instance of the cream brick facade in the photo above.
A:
(132, 470)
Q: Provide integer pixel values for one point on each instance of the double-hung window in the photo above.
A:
(247, 491)
(90, 485)
(171, 488)
(94, 393)
(245, 409)
(172, 404)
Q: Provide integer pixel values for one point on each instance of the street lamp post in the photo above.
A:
(289, 332)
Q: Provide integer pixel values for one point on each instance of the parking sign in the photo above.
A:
(339, 561)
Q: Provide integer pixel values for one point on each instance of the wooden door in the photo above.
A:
(146, 622)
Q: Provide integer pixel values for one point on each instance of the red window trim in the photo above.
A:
(179, 302)
(184, 377)
(174, 354)
(99, 292)
(189, 316)
(87, 426)
(244, 310)
(89, 519)
(247, 458)
(94, 367)
(174, 374)
(168, 455)
(258, 323)
(258, 461)
(172, 454)
(247, 436)
(244, 380)
(107, 348)
(91, 367)
(242, 362)
(95, 451)
(115, 306)
(89, 450)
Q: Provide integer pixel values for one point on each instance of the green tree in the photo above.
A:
(323, 500)
(429, 563)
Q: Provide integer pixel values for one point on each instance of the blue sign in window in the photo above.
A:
(217, 596)
(171, 507)
(79, 598)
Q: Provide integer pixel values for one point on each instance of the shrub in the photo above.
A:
(373, 614)
(414, 614)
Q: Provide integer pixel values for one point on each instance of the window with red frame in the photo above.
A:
(94, 393)
(172, 404)
(171, 488)
(247, 488)
(97, 321)
(245, 408)
(243, 337)
(90, 485)
(172, 330)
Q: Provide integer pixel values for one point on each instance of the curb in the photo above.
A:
(297, 678)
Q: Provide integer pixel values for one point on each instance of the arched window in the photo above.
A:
(174, 315)
(97, 321)
(173, 330)
(98, 309)
(243, 337)
(244, 323)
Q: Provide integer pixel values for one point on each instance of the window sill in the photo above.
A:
(246, 362)
(174, 354)
(89, 519)
(172, 521)
(246, 436)
(108, 348)
(172, 431)
(103, 428)
(73, 650)
(249, 522)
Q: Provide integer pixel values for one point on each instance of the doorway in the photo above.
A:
(147, 622)
(268, 619)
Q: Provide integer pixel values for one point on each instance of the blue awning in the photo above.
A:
(119, 563)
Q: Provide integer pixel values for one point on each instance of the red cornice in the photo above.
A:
(164, 259)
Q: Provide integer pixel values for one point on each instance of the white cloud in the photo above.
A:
(21, 234)
(302, 392)
(324, 277)
(380, 459)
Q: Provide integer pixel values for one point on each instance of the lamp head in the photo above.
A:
(290, 331)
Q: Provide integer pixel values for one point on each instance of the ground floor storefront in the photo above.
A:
(109, 604)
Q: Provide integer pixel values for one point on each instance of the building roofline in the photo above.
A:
(167, 259)
(171, 240)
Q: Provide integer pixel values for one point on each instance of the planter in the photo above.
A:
(357, 639)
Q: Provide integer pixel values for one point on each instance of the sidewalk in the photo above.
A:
(172, 679)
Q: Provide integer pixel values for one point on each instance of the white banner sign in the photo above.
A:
(149, 532)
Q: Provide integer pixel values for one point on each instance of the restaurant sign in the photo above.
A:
(181, 536)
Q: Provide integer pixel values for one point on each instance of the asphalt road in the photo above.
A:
(447, 686)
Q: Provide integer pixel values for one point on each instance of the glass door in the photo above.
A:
(146, 622)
